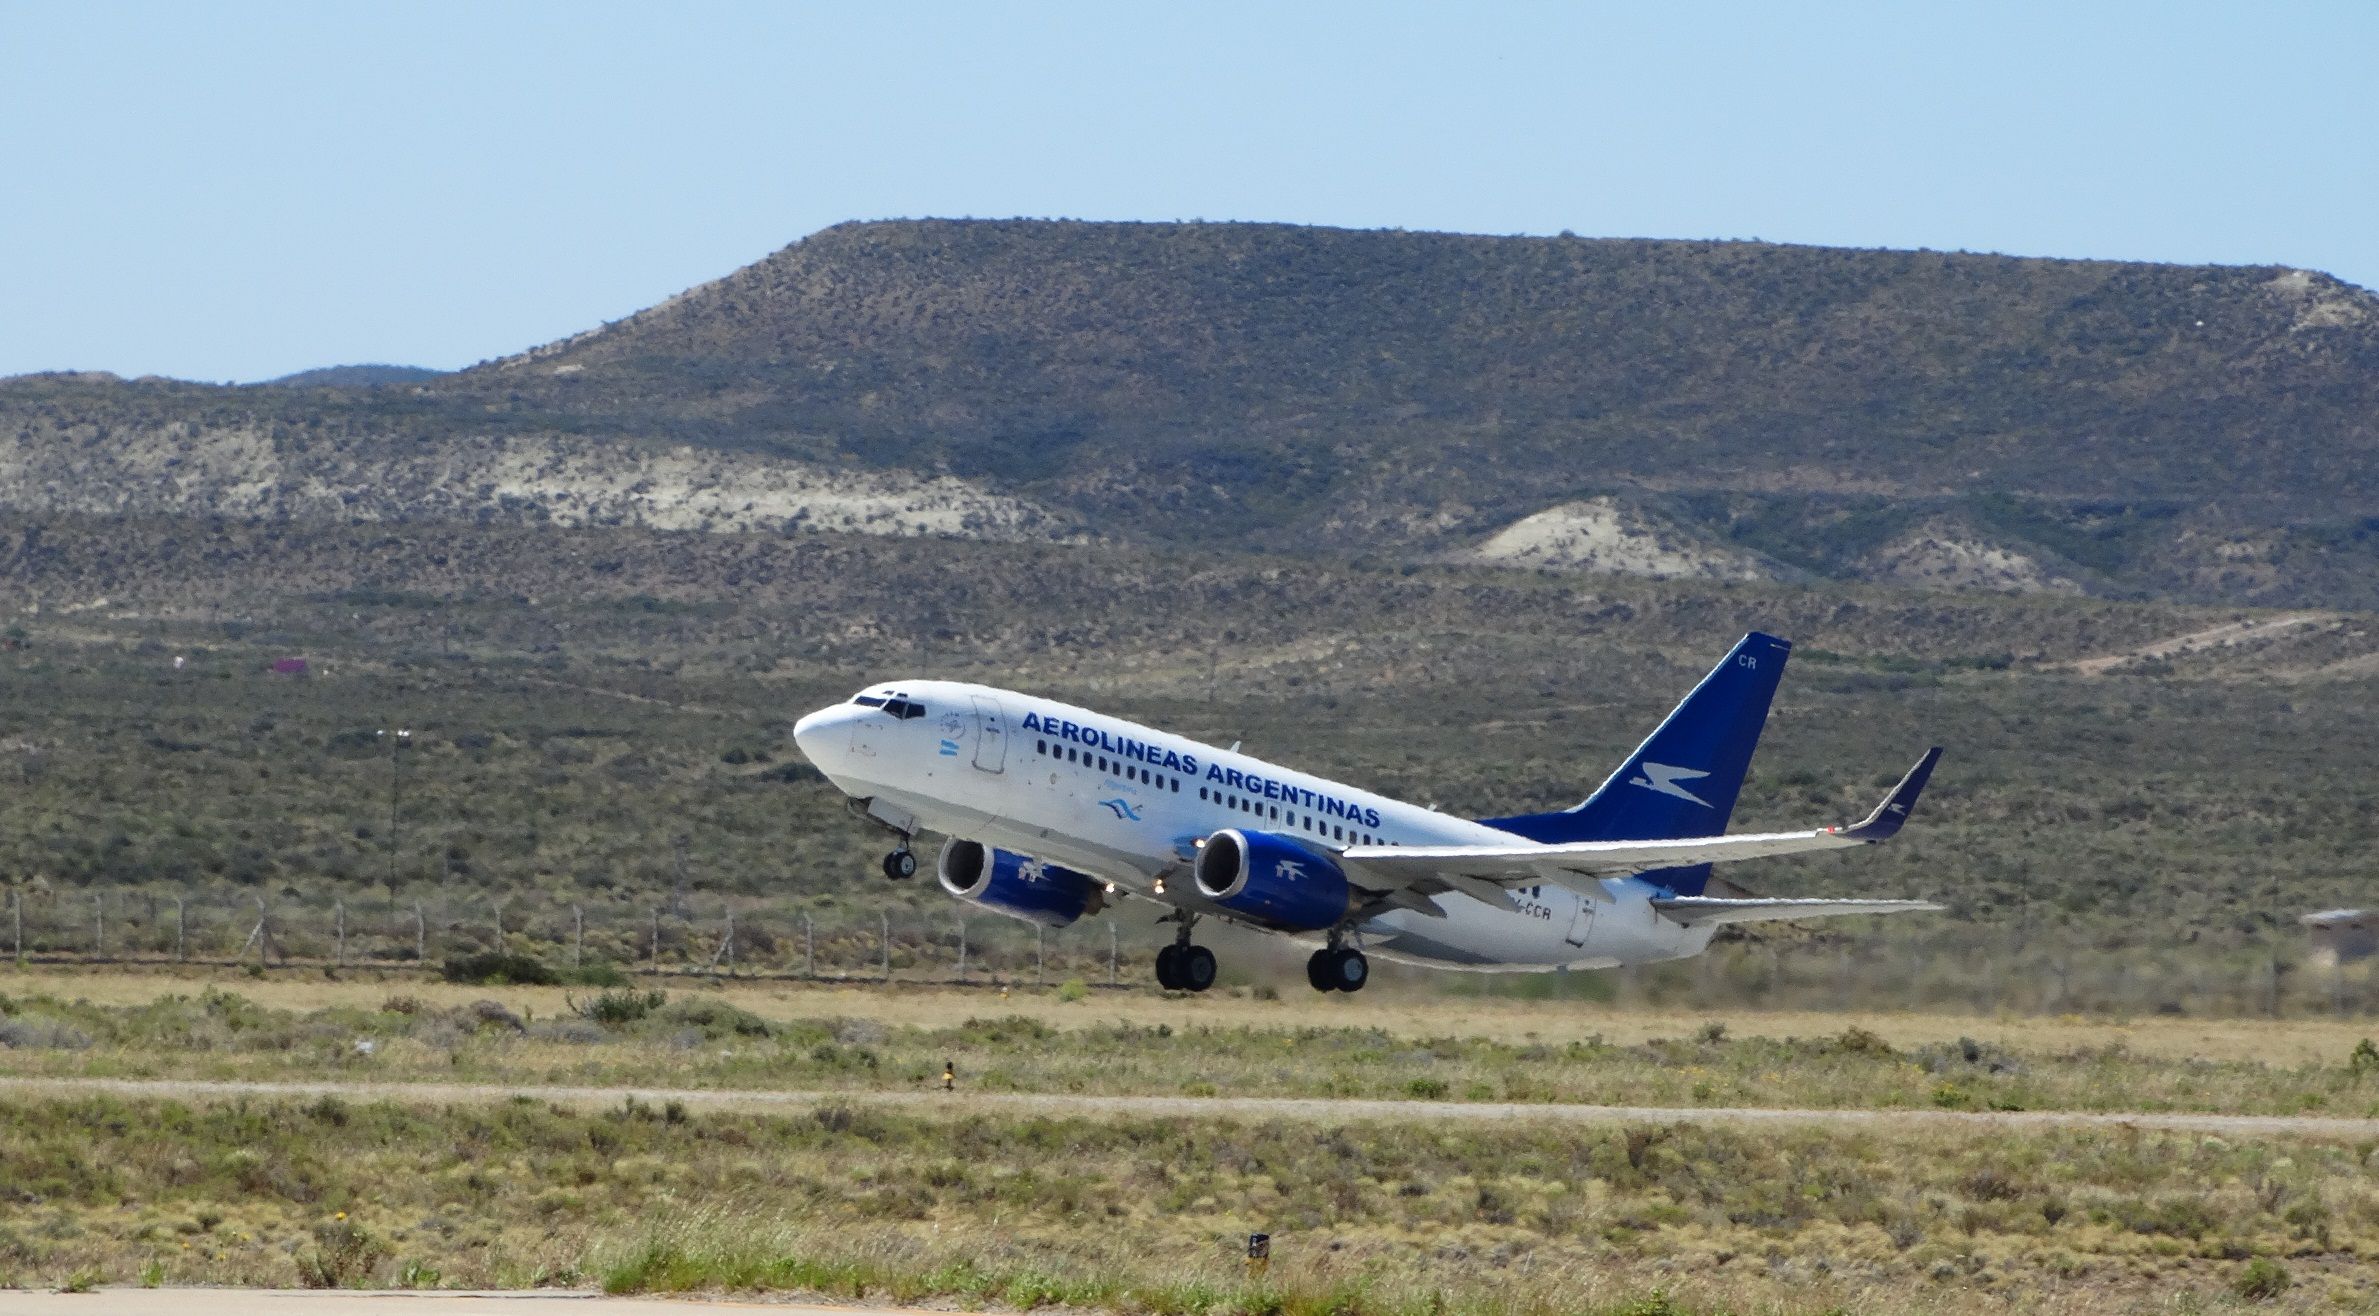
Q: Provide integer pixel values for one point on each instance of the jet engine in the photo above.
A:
(1018, 886)
(1272, 879)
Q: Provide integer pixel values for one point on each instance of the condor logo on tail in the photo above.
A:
(1663, 778)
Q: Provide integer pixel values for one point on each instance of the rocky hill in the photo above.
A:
(1736, 410)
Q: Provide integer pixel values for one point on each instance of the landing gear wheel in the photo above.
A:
(1193, 968)
(900, 865)
(1349, 970)
(1168, 968)
(1317, 970)
(1341, 969)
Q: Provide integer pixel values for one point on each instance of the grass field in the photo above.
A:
(1147, 1216)
(1146, 1043)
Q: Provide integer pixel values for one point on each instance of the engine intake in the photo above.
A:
(1018, 886)
(1272, 879)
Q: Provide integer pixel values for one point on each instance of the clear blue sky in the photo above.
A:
(237, 191)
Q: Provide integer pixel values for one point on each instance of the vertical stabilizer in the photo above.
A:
(1683, 780)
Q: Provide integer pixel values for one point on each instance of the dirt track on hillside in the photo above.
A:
(1323, 1109)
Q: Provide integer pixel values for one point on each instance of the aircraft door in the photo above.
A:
(991, 735)
(1581, 924)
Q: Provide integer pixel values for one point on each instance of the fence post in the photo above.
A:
(656, 958)
(98, 926)
(338, 911)
(887, 935)
(260, 936)
(726, 950)
(577, 937)
(181, 931)
(16, 909)
(809, 947)
(962, 950)
(421, 935)
(1038, 963)
(1112, 956)
(499, 906)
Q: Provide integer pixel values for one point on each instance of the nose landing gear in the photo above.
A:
(900, 865)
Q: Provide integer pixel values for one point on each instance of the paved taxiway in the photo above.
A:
(1327, 1109)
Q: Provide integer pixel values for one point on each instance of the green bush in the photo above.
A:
(2261, 1280)
(343, 1255)
(620, 1008)
(717, 1019)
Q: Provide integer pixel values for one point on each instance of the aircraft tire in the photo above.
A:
(1349, 970)
(900, 865)
(1168, 968)
(1194, 968)
(1317, 971)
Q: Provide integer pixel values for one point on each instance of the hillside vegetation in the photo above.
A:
(581, 698)
(1944, 419)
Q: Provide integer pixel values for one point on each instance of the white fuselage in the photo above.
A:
(1128, 804)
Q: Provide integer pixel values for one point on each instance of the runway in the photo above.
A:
(1317, 1109)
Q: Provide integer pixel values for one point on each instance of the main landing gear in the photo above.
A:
(1182, 967)
(901, 864)
(1337, 968)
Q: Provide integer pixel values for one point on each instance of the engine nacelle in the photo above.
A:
(1272, 879)
(1018, 886)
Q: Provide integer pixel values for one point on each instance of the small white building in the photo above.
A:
(2342, 935)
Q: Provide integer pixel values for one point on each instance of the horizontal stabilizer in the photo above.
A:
(1694, 910)
(1485, 871)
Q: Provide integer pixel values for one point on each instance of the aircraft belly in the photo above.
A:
(1471, 935)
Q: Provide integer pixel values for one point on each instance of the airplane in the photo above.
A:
(1054, 811)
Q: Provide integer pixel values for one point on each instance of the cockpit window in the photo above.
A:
(895, 703)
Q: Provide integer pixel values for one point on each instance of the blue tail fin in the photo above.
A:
(1682, 781)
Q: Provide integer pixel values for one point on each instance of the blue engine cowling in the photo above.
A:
(1278, 881)
(1017, 885)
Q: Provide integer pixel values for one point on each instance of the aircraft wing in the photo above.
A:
(1483, 871)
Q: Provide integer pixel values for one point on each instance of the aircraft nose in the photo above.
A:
(819, 732)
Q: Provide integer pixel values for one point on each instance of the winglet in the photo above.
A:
(1884, 823)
